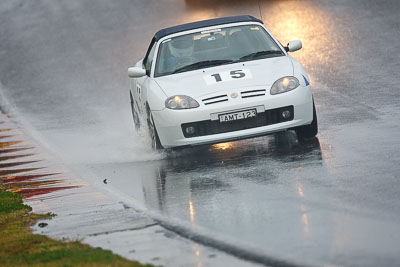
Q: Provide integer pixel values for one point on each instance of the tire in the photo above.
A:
(155, 140)
(307, 132)
(285, 139)
(135, 115)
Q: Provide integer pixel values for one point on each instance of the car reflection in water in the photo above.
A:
(250, 190)
(204, 173)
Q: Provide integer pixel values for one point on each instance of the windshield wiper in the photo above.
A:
(260, 54)
(202, 64)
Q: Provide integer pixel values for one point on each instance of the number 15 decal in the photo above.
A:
(226, 76)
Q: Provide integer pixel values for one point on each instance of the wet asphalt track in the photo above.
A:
(332, 201)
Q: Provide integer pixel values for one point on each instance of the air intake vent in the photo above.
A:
(209, 127)
(253, 93)
(215, 99)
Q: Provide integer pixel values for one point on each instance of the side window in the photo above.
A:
(149, 60)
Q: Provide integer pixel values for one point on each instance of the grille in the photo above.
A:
(253, 93)
(215, 99)
(209, 127)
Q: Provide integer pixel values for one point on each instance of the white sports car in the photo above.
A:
(220, 80)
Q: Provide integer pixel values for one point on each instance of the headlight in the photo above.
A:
(284, 84)
(181, 102)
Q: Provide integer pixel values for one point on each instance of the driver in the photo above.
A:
(181, 49)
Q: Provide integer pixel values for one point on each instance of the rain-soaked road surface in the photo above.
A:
(333, 201)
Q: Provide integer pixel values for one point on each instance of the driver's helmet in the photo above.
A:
(181, 46)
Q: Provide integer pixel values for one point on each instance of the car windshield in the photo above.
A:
(213, 48)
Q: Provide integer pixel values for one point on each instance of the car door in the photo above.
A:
(143, 83)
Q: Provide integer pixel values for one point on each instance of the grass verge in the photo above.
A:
(19, 247)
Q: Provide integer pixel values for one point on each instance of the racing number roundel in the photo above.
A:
(226, 76)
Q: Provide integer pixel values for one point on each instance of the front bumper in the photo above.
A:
(169, 122)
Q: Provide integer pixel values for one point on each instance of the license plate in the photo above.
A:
(239, 115)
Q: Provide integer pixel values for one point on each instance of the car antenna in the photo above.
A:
(259, 9)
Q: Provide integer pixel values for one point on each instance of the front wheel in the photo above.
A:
(155, 140)
(307, 132)
(135, 114)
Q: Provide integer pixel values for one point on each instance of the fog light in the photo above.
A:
(190, 130)
(286, 114)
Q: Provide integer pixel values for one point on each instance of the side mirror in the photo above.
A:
(294, 46)
(136, 72)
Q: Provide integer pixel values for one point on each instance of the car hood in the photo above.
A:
(197, 83)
